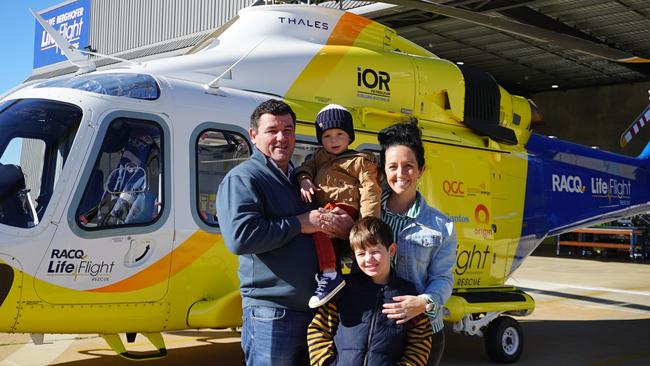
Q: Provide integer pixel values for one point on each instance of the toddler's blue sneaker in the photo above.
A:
(326, 289)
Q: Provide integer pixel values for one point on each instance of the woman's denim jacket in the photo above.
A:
(426, 254)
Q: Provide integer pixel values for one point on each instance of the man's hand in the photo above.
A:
(309, 222)
(307, 190)
(336, 222)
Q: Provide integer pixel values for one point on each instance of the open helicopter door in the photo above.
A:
(116, 244)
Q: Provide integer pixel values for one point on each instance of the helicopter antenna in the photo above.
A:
(69, 51)
(213, 85)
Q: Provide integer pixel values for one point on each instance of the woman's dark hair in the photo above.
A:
(405, 134)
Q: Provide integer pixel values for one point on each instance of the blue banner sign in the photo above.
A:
(72, 20)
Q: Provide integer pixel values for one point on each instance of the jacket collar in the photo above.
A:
(412, 213)
(429, 216)
(393, 281)
(263, 159)
(344, 154)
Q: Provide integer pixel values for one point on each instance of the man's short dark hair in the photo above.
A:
(370, 231)
(274, 107)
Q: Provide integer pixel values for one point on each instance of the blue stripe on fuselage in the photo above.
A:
(570, 185)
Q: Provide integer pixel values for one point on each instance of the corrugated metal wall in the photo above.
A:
(31, 162)
(134, 29)
(121, 25)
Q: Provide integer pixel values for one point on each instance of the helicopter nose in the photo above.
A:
(6, 280)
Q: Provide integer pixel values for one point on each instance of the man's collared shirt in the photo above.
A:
(289, 168)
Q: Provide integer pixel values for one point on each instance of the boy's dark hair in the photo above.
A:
(274, 107)
(402, 134)
(370, 231)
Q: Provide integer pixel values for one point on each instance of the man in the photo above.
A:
(263, 220)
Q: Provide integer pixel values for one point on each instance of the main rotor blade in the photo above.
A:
(524, 30)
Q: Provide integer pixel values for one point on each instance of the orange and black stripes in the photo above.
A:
(418, 344)
(321, 331)
(320, 334)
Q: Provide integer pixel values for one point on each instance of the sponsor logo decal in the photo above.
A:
(458, 218)
(453, 188)
(458, 188)
(310, 23)
(75, 263)
(567, 183)
(471, 261)
(482, 217)
(483, 232)
(611, 188)
(482, 214)
(480, 189)
(599, 187)
(375, 84)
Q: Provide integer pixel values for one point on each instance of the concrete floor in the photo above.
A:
(588, 312)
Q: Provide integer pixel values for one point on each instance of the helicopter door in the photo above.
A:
(116, 246)
(11, 284)
(508, 195)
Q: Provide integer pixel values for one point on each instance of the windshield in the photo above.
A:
(35, 138)
(138, 86)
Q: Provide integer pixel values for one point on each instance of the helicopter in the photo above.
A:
(108, 222)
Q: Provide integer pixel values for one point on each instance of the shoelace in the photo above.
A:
(320, 288)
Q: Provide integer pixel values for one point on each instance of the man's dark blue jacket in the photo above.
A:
(257, 208)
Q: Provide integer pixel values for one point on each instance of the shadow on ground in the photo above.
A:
(214, 348)
(558, 343)
(554, 343)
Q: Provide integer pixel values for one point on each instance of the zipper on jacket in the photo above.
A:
(376, 310)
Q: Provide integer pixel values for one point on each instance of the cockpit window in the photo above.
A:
(35, 139)
(125, 186)
(216, 153)
(138, 86)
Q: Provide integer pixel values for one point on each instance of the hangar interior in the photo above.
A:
(584, 98)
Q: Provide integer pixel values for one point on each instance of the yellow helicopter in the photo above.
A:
(108, 223)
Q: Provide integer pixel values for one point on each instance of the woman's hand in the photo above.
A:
(405, 308)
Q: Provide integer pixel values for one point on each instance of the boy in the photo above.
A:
(336, 176)
(351, 329)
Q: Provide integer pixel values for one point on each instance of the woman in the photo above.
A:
(426, 241)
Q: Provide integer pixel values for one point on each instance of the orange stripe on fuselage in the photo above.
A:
(347, 29)
(344, 35)
(183, 256)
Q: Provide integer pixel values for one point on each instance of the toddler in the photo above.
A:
(336, 176)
